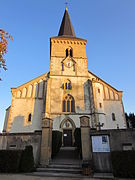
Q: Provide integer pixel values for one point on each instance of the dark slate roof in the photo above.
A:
(66, 28)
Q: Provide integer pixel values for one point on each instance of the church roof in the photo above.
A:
(66, 28)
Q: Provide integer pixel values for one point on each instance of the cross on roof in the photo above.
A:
(66, 28)
(66, 3)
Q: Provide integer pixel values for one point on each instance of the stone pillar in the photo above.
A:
(46, 142)
(85, 138)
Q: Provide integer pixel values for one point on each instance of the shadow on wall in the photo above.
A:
(18, 122)
(87, 96)
(31, 120)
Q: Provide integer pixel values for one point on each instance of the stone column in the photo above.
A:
(85, 138)
(46, 142)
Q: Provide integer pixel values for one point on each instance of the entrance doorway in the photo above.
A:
(67, 137)
(68, 127)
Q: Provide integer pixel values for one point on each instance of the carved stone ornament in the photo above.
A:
(47, 123)
(84, 121)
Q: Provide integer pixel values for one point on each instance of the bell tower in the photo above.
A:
(68, 53)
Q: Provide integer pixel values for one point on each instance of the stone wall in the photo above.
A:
(118, 138)
(20, 140)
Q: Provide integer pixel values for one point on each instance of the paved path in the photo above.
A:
(27, 177)
(69, 155)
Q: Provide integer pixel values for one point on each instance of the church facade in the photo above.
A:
(66, 93)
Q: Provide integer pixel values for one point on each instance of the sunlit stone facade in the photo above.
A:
(66, 93)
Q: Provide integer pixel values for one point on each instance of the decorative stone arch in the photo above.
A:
(67, 84)
(24, 92)
(69, 120)
(19, 94)
(68, 103)
(69, 51)
(29, 93)
(65, 125)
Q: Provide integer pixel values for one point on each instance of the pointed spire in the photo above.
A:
(66, 28)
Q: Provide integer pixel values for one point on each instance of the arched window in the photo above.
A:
(29, 117)
(71, 52)
(68, 104)
(66, 52)
(67, 85)
(113, 117)
(73, 67)
(62, 65)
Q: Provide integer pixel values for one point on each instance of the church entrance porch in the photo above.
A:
(67, 138)
(68, 127)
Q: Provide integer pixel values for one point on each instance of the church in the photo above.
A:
(63, 96)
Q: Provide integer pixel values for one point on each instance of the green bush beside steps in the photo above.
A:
(15, 161)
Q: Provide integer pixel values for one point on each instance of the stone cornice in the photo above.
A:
(99, 80)
(43, 77)
(68, 40)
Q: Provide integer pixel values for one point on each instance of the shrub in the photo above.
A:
(56, 142)
(123, 163)
(27, 160)
(10, 160)
(78, 142)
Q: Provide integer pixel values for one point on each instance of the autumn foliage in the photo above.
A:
(4, 38)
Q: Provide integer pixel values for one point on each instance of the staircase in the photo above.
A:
(65, 164)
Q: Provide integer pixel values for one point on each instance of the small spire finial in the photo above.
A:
(66, 3)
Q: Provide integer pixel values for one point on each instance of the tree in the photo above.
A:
(4, 37)
(130, 119)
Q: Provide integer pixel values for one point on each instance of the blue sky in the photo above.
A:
(108, 26)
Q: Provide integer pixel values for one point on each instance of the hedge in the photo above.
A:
(27, 160)
(56, 142)
(123, 163)
(11, 161)
(78, 142)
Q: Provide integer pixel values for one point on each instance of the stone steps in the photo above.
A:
(64, 166)
(62, 174)
(60, 170)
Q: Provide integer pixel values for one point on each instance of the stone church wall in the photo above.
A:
(28, 99)
(116, 108)
(6, 119)
(108, 101)
(20, 111)
(79, 92)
